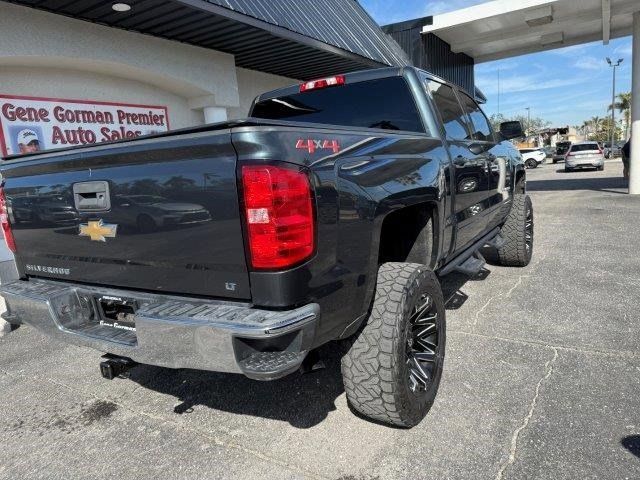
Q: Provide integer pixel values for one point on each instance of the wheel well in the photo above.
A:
(520, 183)
(408, 235)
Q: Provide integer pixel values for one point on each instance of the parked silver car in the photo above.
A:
(584, 155)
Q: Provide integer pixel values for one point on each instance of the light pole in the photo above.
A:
(528, 109)
(613, 102)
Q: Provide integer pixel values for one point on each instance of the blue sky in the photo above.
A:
(565, 86)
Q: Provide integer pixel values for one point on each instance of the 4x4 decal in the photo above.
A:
(312, 145)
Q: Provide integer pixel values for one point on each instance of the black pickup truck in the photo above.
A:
(243, 246)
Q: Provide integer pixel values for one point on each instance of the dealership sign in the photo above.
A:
(29, 124)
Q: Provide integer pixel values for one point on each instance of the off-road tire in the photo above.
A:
(514, 252)
(375, 369)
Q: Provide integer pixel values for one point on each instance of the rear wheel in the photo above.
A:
(600, 168)
(518, 234)
(393, 368)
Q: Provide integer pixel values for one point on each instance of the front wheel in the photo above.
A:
(518, 234)
(530, 163)
(392, 370)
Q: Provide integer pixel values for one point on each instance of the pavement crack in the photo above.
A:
(536, 343)
(532, 406)
(495, 297)
(479, 312)
(517, 284)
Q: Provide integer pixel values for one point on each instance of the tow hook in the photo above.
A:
(114, 366)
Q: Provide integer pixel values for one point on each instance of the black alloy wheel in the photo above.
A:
(422, 344)
(528, 228)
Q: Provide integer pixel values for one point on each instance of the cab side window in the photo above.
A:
(481, 126)
(453, 117)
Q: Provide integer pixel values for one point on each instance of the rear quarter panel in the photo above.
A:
(369, 175)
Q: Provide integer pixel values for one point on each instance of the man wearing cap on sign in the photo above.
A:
(28, 141)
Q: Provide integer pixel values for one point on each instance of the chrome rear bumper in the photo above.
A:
(170, 331)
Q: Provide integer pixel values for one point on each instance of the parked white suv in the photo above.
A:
(532, 157)
(584, 155)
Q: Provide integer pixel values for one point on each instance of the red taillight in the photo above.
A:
(4, 221)
(322, 83)
(279, 215)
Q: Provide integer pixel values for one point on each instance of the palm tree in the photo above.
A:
(596, 124)
(623, 105)
(585, 129)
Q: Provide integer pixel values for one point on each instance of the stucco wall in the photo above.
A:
(73, 84)
(30, 37)
(251, 84)
(43, 54)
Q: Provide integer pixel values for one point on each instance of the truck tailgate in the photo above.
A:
(159, 214)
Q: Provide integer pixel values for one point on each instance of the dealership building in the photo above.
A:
(83, 71)
(74, 72)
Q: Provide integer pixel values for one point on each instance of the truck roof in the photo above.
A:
(359, 76)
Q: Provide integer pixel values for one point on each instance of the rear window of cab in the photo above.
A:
(385, 103)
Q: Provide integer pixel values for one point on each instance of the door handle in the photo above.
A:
(92, 196)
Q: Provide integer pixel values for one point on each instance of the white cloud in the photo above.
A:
(624, 50)
(573, 50)
(590, 63)
(522, 83)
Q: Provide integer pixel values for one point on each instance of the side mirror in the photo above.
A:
(509, 130)
(478, 148)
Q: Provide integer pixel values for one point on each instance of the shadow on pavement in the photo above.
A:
(632, 443)
(570, 182)
(301, 400)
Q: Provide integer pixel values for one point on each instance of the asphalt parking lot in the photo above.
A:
(541, 380)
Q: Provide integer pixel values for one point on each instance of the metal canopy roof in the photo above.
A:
(507, 28)
(301, 39)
